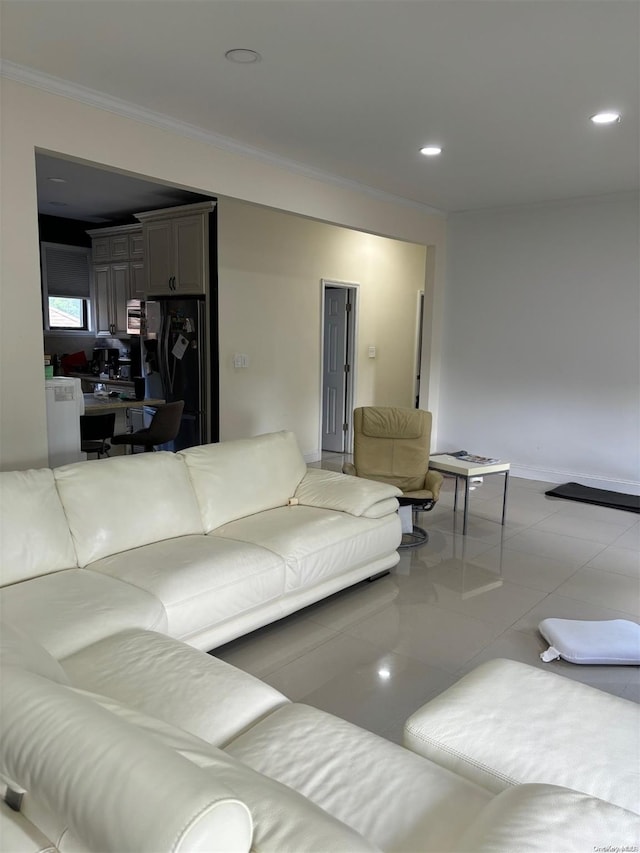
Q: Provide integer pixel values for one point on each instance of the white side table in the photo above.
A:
(466, 470)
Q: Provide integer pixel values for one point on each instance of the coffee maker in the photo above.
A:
(105, 362)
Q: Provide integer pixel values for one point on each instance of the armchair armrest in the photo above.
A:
(355, 495)
(433, 481)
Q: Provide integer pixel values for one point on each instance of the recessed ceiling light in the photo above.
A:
(605, 118)
(243, 55)
(57, 180)
(431, 150)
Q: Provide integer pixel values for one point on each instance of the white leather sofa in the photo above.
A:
(119, 733)
(204, 545)
(140, 742)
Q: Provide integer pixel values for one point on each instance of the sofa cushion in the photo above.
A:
(395, 799)
(181, 685)
(316, 544)
(238, 478)
(66, 611)
(201, 580)
(507, 723)
(90, 774)
(34, 534)
(116, 504)
(546, 817)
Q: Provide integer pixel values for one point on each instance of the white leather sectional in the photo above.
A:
(140, 742)
(119, 733)
(204, 545)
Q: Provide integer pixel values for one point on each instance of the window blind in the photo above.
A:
(66, 270)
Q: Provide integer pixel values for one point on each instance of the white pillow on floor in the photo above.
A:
(615, 641)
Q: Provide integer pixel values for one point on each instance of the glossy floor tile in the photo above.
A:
(377, 651)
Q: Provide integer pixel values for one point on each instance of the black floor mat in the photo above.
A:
(602, 497)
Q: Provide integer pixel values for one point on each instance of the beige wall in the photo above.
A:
(35, 119)
(270, 270)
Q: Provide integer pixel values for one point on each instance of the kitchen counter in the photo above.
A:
(94, 380)
(97, 405)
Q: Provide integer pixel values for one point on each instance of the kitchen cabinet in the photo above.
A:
(118, 276)
(176, 250)
(137, 283)
(112, 291)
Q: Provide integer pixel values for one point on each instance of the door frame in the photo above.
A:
(417, 372)
(352, 348)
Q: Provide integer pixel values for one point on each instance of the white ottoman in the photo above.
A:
(507, 723)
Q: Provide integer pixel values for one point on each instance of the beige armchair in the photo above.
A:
(392, 445)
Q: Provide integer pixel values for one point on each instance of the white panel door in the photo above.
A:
(334, 363)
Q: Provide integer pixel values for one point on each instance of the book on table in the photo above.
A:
(474, 458)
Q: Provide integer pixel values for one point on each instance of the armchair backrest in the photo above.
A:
(392, 445)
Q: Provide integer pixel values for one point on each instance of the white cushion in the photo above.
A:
(174, 682)
(116, 504)
(34, 534)
(238, 478)
(201, 580)
(395, 799)
(111, 785)
(614, 641)
(355, 495)
(507, 723)
(317, 544)
(66, 611)
(542, 818)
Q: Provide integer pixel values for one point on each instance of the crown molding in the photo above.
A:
(91, 97)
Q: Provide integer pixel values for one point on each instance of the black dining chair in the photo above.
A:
(164, 427)
(95, 433)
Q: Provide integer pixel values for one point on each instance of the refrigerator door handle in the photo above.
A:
(165, 373)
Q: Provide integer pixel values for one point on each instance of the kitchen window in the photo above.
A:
(66, 287)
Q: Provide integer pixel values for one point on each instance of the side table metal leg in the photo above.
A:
(504, 497)
(455, 495)
(466, 505)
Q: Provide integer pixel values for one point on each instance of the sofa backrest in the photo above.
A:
(100, 784)
(234, 479)
(116, 504)
(34, 534)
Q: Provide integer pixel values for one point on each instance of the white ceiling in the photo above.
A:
(353, 88)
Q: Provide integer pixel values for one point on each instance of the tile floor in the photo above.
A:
(377, 651)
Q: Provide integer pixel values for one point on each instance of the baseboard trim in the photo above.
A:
(313, 456)
(630, 487)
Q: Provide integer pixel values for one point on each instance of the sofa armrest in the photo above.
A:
(355, 495)
(105, 782)
(432, 482)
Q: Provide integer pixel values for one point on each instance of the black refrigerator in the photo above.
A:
(174, 362)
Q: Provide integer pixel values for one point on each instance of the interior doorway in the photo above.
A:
(339, 311)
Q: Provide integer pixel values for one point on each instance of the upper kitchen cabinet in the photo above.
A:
(111, 285)
(118, 275)
(176, 249)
